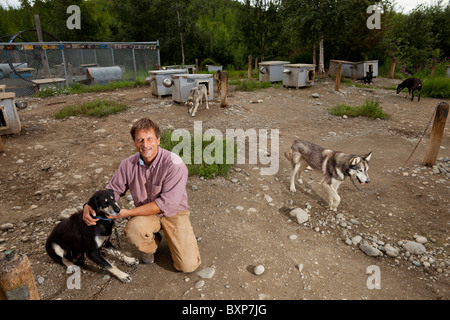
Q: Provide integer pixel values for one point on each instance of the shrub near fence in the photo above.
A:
(24, 65)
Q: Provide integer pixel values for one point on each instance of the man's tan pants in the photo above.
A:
(179, 235)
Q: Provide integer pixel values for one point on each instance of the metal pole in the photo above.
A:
(65, 69)
(157, 50)
(112, 56)
(134, 65)
(95, 57)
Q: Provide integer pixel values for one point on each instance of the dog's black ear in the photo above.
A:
(93, 201)
(367, 156)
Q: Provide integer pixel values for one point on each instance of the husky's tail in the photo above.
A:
(288, 154)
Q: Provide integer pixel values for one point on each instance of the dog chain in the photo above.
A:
(403, 166)
(108, 283)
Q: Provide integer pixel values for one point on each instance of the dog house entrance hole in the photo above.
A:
(370, 68)
(3, 118)
(206, 83)
(311, 75)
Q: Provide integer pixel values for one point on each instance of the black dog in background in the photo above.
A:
(368, 78)
(72, 237)
(412, 84)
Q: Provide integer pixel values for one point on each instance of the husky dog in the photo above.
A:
(334, 165)
(412, 84)
(195, 98)
(217, 77)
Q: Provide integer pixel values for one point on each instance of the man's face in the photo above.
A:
(147, 144)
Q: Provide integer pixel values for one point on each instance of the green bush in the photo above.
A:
(370, 109)
(438, 87)
(79, 88)
(98, 108)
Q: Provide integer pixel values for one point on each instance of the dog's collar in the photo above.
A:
(101, 218)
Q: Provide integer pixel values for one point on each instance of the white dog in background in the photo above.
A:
(196, 98)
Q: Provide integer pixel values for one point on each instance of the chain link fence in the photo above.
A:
(28, 67)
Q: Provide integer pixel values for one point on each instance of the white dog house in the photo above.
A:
(298, 75)
(354, 70)
(9, 119)
(271, 70)
(183, 83)
(362, 67)
(158, 80)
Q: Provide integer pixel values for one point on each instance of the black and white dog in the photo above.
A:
(72, 237)
(412, 84)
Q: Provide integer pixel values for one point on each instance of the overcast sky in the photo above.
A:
(407, 5)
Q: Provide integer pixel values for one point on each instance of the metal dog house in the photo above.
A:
(102, 75)
(354, 70)
(9, 119)
(159, 78)
(298, 75)
(271, 70)
(183, 83)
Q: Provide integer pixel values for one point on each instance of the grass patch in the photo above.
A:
(437, 87)
(370, 109)
(98, 108)
(79, 88)
(249, 85)
(204, 169)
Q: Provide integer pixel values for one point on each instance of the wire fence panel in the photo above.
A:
(28, 67)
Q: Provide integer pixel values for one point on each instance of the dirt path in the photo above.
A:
(54, 165)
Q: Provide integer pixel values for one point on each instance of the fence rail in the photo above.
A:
(27, 67)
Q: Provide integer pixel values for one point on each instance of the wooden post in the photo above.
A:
(46, 68)
(315, 57)
(2, 147)
(256, 63)
(338, 77)
(433, 68)
(394, 61)
(437, 132)
(223, 88)
(16, 278)
(249, 67)
(196, 65)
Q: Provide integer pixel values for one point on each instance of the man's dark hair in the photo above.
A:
(145, 124)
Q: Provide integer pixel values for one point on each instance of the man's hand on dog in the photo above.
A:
(88, 214)
(122, 214)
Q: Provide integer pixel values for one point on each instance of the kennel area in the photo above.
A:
(27, 67)
(298, 75)
(271, 70)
